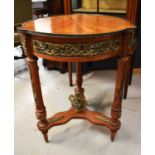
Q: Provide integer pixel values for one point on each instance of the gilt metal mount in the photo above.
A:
(78, 102)
(76, 50)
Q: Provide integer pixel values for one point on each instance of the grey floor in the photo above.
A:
(78, 137)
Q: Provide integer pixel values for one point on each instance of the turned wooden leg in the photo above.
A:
(78, 100)
(127, 76)
(79, 79)
(40, 108)
(117, 103)
(70, 73)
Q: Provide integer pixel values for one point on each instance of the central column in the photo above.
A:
(78, 100)
(79, 79)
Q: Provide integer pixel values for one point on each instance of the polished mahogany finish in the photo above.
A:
(78, 38)
(131, 15)
(77, 24)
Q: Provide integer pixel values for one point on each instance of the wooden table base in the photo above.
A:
(78, 101)
(63, 39)
(96, 118)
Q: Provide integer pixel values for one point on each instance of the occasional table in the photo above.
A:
(78, 38)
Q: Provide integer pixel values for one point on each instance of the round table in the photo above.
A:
(78, 38)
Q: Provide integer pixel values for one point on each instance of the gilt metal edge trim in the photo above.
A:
(53, 119)
(105, 119)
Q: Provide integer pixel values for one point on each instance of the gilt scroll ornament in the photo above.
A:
(131, 43)
(78, 102)
(105, 119)
(76, 50)
(23, 42)
(53, 119)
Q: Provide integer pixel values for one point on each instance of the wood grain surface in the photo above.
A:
(77, 24)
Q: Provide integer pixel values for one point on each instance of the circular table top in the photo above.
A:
(76, 24)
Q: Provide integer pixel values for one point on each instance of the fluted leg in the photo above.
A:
(116, 107)
(127, 76)
(40, 108)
